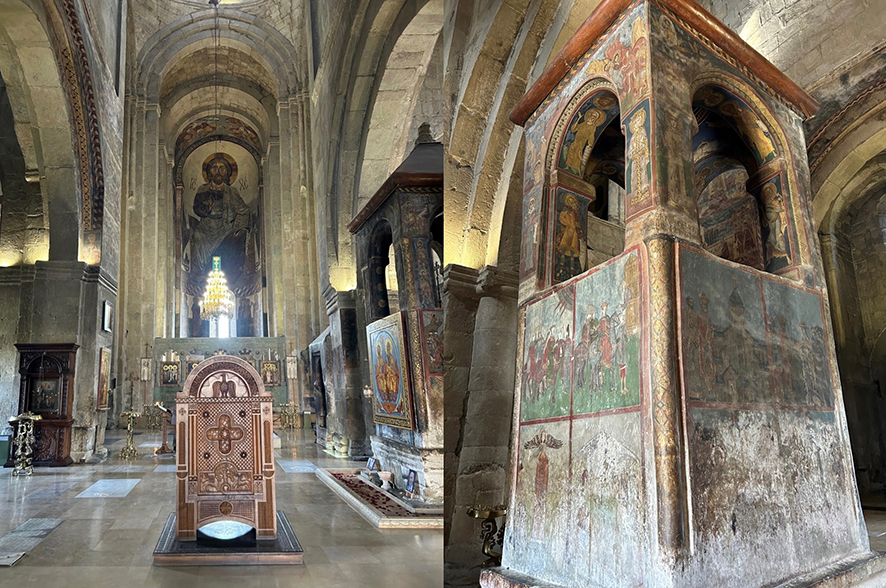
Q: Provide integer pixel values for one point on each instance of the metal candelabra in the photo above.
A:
(129, 451)
(493, 536)
(24, 443)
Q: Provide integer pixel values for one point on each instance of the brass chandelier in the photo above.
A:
(218, 300)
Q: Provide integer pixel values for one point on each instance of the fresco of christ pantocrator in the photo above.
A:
(223, 222)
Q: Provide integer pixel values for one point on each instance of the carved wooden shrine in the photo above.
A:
(224, 452)
(47, 389)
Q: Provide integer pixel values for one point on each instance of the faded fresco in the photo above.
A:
(729, 216)
(747, 502)
(423, 271)
(800, 370)
(675, 164)
(547, 369)
(432, 337)
(606, 360)
(541, 507)
(623, 58)
(762, 450)
(392, 398)
(570, 240)
(204, 127)
(533, 186)
(532, 205)
(775, 224)
(758, 376)
(607, 502)
(724, 336)
(579, 481)
(751, 340)
(638, 167)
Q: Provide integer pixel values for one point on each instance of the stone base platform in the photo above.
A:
(867, 570)
(375, 505)
(285, 550)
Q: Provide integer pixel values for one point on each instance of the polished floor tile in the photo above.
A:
(109, 489)
(107, 541)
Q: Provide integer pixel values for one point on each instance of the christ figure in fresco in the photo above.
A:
(222, 214)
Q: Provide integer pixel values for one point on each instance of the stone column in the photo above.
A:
(273, 271)
(480, 342)
(344, 372)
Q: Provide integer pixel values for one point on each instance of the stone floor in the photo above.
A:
(875, 518)
(107, 540)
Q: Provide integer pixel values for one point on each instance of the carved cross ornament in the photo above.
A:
(224, 434)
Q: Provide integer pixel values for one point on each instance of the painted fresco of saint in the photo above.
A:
(585, 130)
(638, 154)
(705, 329)
(222, 214)
(570, 243)
(773, 205)
(530, 236)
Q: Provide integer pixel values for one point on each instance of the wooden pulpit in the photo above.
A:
(224, 452)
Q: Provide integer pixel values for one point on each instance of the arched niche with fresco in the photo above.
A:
(741, 184)
(575, 203)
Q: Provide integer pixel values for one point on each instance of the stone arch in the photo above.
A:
(854, 149)
(248, 32)
(59, 150)
(201, 102)
(378, 28)
(266, 102)
(481, 164)
(386, 130)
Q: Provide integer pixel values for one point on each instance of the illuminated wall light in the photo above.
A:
(10, 258)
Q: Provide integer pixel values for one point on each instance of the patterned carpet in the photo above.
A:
(373, 496)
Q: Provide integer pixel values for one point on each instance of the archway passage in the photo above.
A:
(740, 193)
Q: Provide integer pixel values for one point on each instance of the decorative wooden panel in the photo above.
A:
(225, 462)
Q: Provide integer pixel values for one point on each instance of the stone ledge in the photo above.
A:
(867, 569)
(373, 515)
(505, 578)
(864, 570)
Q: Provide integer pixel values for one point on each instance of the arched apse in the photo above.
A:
(224, 222)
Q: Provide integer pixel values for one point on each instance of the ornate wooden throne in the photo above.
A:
(224, 454)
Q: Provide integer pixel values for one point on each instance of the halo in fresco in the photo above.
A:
(231, 161)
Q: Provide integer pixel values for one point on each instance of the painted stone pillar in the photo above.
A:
(678, 415)
(405, 349)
